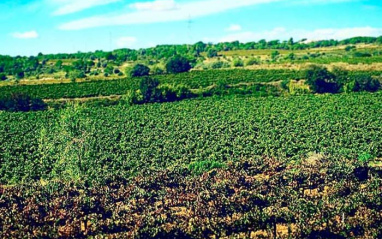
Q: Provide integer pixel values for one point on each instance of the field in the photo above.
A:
(176, 141)
(274, 149)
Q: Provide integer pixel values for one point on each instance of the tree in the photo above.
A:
(212, 53)
(365, 82)
(21, 102)
(178, 64)
(149, 90)
(139, 70)
(58, 64)
(3, 76)
(237, 62)
(110, 57)
(321, 80)
(274, 54)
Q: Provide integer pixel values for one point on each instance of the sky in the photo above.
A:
(28, 27)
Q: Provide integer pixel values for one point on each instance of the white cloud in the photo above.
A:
(312, 35)
(234, 28)
(158, 5)
(148, 13)
(71, 6)
(124, 42)
(25, 35)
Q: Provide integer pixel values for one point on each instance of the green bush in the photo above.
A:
(138, 70)
(3, 76)
(252, 61)
(362, 54)
(237, 62)
(219, 65)
(21, 102)
(157, 70)
(178, 64)
(349, 48)
(168, 93)
(365, 82)
(205, 166)
(212, 53)
(149, 89)
(285, 84)
(320, 80)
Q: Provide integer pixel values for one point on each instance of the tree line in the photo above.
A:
(82, 63)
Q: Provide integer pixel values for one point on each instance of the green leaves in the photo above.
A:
(123, 140)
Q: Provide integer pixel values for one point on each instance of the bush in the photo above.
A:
(212, 53)
(21, 102)
(149, 90)
(362, 54)
(76, 74)
(139, 70)
(237, 62)
(285, 84)
(156, 70)
(116, 71)
(349, 48)
(219, 65)
(252, 61)
(205, 166)
(320, 80)
(365, 82)
(274, 54)
(3, 76)
(178, 64)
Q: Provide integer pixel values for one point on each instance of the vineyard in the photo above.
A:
(262, 198)
(229, 166)
(92, 143)
(193, 80)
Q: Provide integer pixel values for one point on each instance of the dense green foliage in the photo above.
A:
(321, 80)
(94, 63)
(191, 80)
(92, 143)
(178, 64)
(139, 70)
(21, 102)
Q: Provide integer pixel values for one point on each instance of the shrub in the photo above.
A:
(3, 76)
(168, 93)
(237, 62)
(149, 89)
(349, 48)
(178, 64)
(285, 84)
(291, 57)
(157, 70)
(21, 102)
(212, 53)
(219, 65)
(116, 71)
(252, 61)
(274, 54)
(205, 166)
(320, 80)
(182, 92)
(362, 54)
(365, 82)
(139, 70)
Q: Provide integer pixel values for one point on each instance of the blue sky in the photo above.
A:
(64, 26)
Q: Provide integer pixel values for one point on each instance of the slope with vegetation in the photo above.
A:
(176, 145)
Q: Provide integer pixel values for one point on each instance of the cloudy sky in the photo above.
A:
(63, 26)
